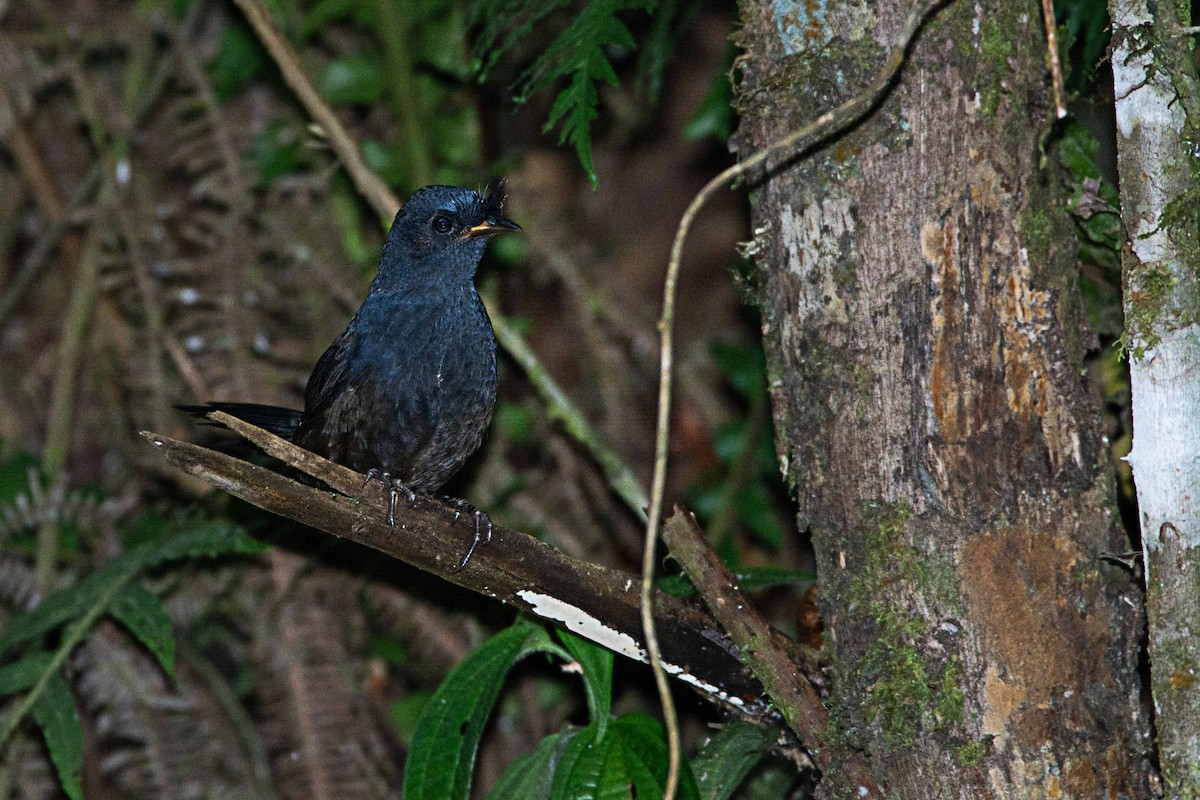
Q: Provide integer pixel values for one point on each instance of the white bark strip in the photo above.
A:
(1155, 90)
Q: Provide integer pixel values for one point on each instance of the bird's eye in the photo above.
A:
(442, 224)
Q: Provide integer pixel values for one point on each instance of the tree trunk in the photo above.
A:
(1158, 108)
(925, 342)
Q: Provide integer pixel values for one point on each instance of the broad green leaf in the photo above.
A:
(25, 673)
(628, 760)
(143, 615)
(644, 750)
(597, 664)
(723, 763)
(442, 756)
(56, 715)
(530, 776)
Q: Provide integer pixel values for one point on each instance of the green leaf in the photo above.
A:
(515, 421)
(239, 59)
(14, 476)
(200, 539)
(56, 715)
(597, 664)
(502, 23)
(587, 763)
(671, 18)
(727, 758)
(715, 117)
(326, 12)
(356, 79)
(729, 439)
(276, 152)
(759, 514)
(143, 615)
(531, 776)
(744, 366)
(442, 756)
(631, 754)
(578, 55)
(25, 673)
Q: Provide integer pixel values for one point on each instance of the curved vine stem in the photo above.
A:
(790, 146)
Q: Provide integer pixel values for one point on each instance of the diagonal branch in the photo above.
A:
(768, 654)
(596, 602)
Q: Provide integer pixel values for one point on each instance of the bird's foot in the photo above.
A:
(394, 488)
(483, 526)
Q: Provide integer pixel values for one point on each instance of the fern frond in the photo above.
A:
(578, 55)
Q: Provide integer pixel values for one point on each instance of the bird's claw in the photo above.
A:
(483, 526)
(394, 488)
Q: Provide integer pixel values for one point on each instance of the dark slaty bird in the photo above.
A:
(406, 392)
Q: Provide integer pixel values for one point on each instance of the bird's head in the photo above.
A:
(441, 232)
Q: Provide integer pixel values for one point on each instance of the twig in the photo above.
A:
(620, 477)
(369, 185)
(1056, 73)
(764, 649)
(35, 260)
(791, 145)
(394, 31)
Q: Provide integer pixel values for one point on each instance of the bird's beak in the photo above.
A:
(490, 227)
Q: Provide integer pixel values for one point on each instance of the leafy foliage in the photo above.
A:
(744, 490)
(112, 590)
(1086, 23)
(579, 55)
(605, 759)
(1095, 207)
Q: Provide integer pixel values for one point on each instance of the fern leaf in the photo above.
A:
(577, 55)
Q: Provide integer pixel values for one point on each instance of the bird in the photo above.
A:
(406, 392)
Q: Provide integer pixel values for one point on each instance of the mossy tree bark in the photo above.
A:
(925, 345)
(1158, 113)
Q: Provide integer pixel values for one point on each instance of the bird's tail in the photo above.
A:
(280, 421)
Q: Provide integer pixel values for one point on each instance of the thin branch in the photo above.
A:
(369, 185)
(789, 146)
(764, 649)
(1056, 73)
(560, 408)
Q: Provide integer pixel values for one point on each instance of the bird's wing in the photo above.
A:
(328, 377)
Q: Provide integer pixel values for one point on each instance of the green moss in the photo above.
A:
(995, 43)
(949, 698)
(1145, 304)
(969, 754)
(864, 382)
(902, 693)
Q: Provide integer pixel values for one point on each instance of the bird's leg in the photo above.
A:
(394, 487)
(483, 526)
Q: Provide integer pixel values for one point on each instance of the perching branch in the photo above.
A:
(596, 602)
